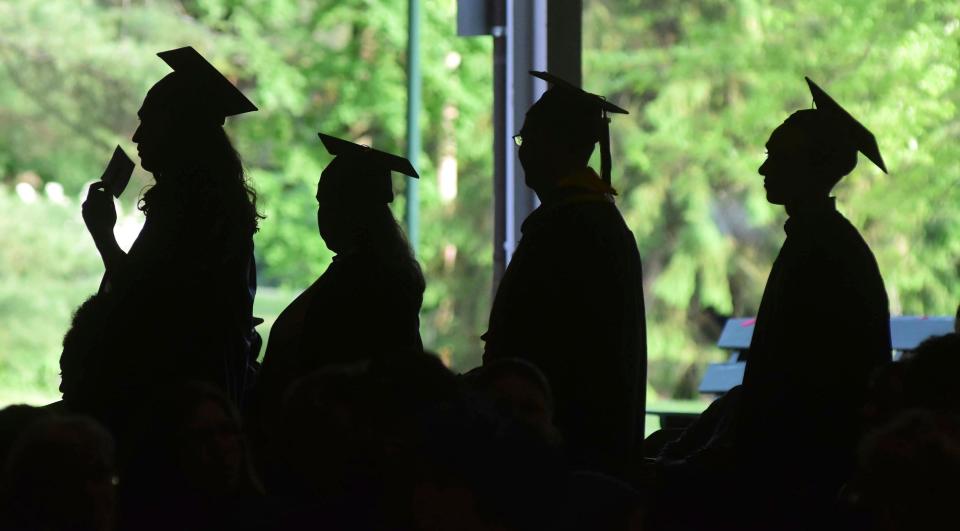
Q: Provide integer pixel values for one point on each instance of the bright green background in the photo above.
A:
(705, 82)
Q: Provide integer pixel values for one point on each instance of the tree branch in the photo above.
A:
(50, 108)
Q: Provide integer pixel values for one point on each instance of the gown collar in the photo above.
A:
(810, 213)
(581, 186)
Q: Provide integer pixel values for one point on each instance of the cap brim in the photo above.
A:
(602, 102)
(188, 62)
(860, 137)
(338, 146)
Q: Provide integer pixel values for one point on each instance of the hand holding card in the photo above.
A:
(118, 172)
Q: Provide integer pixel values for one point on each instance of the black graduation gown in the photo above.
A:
(822, 328)
(360, 308)
(571, 302)
(181, 309)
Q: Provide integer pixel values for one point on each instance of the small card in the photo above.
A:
(118, 172)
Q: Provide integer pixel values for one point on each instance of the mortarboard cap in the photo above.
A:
(562, 84)
(380, 159)
(378, 163)
(848, 129)
(208, 88)
(601, 106)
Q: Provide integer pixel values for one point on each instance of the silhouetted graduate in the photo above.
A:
(571, 300)
(823, 324)
(366, 305)
(178, 306)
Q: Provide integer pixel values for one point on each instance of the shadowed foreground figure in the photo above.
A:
(60, 476)
(571, 300)
(907, 473)
(517, 390)
(178, 306)
(824, 323)
(187, 465)
(786, 440)
(366, 304)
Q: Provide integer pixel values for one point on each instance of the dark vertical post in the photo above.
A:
(412, 213)
(565, 40)
(500, 137)
(527, 35)
(526, 25)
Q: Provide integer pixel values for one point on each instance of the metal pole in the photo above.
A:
(526, 50)
(500, 139)
(412, 207)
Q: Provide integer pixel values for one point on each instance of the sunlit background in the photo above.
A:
(705, 82)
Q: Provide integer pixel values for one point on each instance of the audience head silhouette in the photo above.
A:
(519, 390)
(906, 478)
(60, 475)
(189, 444)
(931, 375)
(813, 149)
(77, 343)
(14, 420)
(354, 191)
(560, 131)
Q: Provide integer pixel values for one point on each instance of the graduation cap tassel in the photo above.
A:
(605, 150)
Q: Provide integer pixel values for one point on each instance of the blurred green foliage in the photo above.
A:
(73, 74)
(705, 82)
(49, 268)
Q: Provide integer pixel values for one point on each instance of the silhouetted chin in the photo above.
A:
(773, 199)
(330, 242)
(146, 163)
(533, 182)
